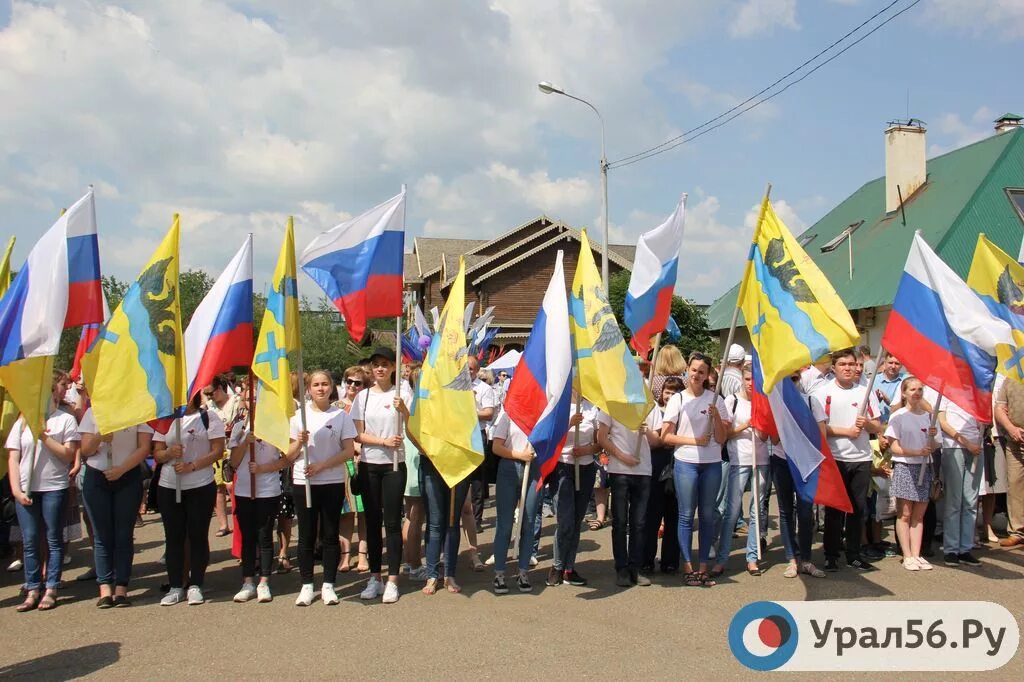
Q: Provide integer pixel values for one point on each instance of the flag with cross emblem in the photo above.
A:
(279, 336)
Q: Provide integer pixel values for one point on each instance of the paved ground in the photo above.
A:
(664, 631)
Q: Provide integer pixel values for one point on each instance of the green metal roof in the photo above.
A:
(964, 194)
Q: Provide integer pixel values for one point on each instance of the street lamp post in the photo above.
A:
(548, 89)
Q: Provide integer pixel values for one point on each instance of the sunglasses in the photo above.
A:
(353, 382)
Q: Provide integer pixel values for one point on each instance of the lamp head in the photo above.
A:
(547, 88)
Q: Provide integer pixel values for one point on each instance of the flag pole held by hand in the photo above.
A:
(650, 387)
(517, 531)
(302, 418)
(866, 402)
(576, 443)
(177, 477)
(252, 429)
(398, 386)
(927, 460)
(755, 490)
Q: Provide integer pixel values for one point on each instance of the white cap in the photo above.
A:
(736, 353)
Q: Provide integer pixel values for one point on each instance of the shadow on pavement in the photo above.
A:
(67, 664)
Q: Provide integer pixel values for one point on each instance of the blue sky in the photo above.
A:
(237, 114)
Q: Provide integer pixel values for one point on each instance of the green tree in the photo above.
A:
(693, 324)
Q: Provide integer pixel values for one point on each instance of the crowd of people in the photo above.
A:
(358, 487)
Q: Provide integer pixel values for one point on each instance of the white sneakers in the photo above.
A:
(327, 595)
(916, 564)
(195, 595)
(923, 564)
(306, 595)
(15, 566)
(373, 589)
(175, 596)
(247, 592)
(391, 593)
(263, 593)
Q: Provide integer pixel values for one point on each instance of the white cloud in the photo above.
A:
(757, 17)
(1005, 18)
(953, 132)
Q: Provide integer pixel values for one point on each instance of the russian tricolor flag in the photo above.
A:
(649, 298)
(85, 290)
(219, 336)
(760, 408)
(814, 471)
(943, 334)
(540, 395)
(359, 264)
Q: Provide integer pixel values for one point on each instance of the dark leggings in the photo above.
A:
(188, 521)
(383, 493)
(256, 524)
(324, 516)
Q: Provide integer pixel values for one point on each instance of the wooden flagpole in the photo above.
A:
(650, 386)
(517, 530)
(755, 490)
(576, 443)
(252, 430)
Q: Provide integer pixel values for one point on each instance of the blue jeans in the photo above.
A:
(439, 498)
(961, 474)
(739, 477)
(112, 508)
(796, 515)
(44, 515)
(696, 491)
(508, 484)
(572, 507)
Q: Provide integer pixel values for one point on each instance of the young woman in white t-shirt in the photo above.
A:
(38, 471)
(256, 510)
(746, 444)
(112, 491)
(381, 414)
(189, 460)
(696, 424)
(514, 451)
(911, 440)
(328, 437)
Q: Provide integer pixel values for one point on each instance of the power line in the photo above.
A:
(706, 127)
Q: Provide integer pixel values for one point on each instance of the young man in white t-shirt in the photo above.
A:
(847, 431)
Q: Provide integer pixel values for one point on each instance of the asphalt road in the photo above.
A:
(658, 632)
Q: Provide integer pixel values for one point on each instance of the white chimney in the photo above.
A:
(1008, 122)
(904, 161)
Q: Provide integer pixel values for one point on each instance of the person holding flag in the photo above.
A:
(379, 413)
(39, 474)
(518, 480)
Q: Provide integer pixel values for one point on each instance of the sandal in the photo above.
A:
(594, 524)
(706, 580)
(31, 602)
(692, 580)
(717, 571)
(756, 571)
(431, 587)
(452, 586)
(345, 565)
(810, 569)
(48, 601)
(283, 565)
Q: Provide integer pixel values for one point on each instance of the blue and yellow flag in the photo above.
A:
(998, 279)
(606, 373)
(8, 410)
(793, 314)
(443, 416)
(135, 371)
(279, 336)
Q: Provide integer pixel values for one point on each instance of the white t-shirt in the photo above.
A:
(740, 447)
(588, 431)
(48, 472)
(485, 397)
(625, 440)
(125, 442)
(267, 484)
(513, 436)
(841, 406)
(690, 417)
(961, 421)
(196, 441)
(327, 430)
(911, 430)
(376, 409)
